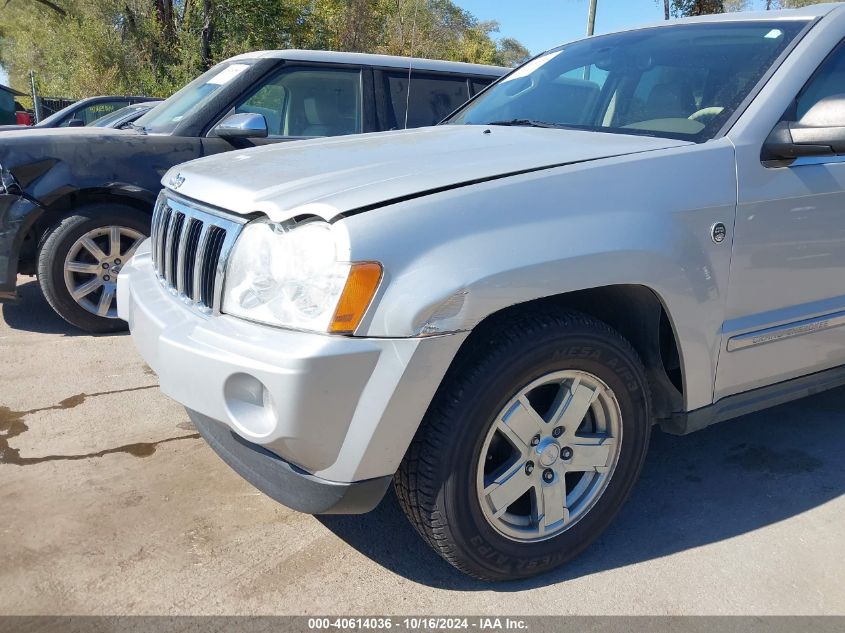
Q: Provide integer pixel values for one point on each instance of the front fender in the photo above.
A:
(17, 216)
(457, 257)
(52, 165)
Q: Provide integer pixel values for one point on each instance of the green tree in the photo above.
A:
(84, 47)
(794, 4)
(738, 5)
(512, 53)
(683, 8)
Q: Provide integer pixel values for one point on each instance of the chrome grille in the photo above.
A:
(190, 247)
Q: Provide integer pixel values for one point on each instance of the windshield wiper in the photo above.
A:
(136, 127)
(527, 123)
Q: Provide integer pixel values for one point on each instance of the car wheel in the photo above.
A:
(530, 447)
(80, 260)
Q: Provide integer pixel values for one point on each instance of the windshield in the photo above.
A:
(682, 81)
(119, 115)
(164, 118)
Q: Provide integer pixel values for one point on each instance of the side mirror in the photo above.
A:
(820, 132)
(76, 123)
(242, 126)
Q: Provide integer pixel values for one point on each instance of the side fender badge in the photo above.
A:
(718, 232)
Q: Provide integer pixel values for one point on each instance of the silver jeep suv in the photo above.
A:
(637, 228)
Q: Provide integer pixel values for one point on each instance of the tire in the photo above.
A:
(449, 497)
(63, 248)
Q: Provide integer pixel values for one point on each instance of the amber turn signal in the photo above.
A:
(361, 286)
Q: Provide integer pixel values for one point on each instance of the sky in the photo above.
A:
(542, 24)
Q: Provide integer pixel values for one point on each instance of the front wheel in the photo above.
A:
(530, 448)
(80, 260)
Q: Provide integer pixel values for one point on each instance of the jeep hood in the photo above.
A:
(342, 174)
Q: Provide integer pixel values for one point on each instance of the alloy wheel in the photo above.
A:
(549, 456)
(93, 264)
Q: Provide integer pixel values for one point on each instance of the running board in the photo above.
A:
(756, 400)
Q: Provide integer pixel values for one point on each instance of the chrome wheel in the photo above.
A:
(549, 456)
(93, 263)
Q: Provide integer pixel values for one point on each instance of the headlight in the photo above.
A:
(293, 276)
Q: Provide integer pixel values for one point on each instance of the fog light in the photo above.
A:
(250, 405)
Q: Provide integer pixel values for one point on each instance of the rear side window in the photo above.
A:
(309, 102)
(431, 100)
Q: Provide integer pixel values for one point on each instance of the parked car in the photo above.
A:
(637, 228)
(82, 200)
(124, 116)
(80, 113)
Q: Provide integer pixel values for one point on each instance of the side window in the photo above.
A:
(95, 111)
(829, 80)
(432, 98)
(309, 102)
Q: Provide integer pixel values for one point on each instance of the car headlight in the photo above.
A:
(293, 276)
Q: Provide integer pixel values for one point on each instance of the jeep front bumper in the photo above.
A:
(318, 422)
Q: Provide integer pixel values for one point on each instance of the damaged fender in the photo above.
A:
(17, 216)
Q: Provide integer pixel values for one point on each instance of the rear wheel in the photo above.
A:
(79, 262)
(530, 448)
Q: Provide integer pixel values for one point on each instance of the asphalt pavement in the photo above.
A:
(111, 504)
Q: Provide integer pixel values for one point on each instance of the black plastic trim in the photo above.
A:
(15, 223)
(755, 400)
(284, 482)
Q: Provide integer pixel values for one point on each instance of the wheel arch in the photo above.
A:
(638, 313)
(63, 204)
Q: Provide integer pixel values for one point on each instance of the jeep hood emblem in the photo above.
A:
(177, 181)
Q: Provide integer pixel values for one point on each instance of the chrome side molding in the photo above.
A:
(788, 330)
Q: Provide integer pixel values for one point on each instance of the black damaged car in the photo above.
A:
(76, 203)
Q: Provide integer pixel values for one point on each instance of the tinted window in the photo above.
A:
(309, 102)
(829, 80)
(432, 98)
(682, 81)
